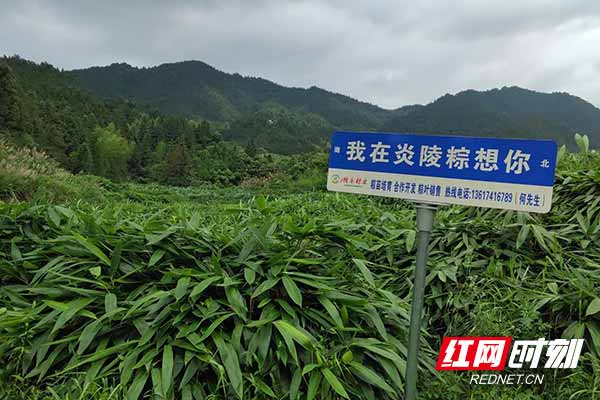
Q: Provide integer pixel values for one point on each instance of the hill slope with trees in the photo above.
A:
(510, 111)
(108, 121)
(45, 108)
(196, 88)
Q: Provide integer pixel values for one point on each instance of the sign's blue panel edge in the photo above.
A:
(548, 149)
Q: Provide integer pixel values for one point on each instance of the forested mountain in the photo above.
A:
(45, 108)
(152, 123)
(510, 111)
(279, 130)
(196, 88)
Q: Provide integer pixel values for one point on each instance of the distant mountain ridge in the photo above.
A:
(509, 111)
(196, 88)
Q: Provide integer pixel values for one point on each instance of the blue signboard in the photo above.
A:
(500, 173)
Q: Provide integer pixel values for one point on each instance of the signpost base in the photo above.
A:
(425, 217)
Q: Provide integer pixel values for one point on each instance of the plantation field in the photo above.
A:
(111, 291)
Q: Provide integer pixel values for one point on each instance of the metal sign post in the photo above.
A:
(510, 174)
(425, 216)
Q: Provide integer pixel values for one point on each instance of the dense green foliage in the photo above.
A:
(196, 88)
(281, 131)
(206, 293)
(506, 112)
(43, 107)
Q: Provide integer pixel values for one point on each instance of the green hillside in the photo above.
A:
(45, 108)
(162, 113)
(280, 130)
(196, 88)
(510, 111)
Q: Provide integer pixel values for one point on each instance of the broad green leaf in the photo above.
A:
(574, 331)
(347, 357)
(292, 290)
(309, 367)
(394, 357)
(593, 328)
(167, 369)
(289, 343)
(523, 233)
(377, 321)
(236, 301)
(127, 365)
(156, 257)
(297, 334)
(202, 286)
(95, 271)
(332, 311)
(92, 248)
(593, 307)
(369, 376)
(157, 386)
(94, 368)
(411, 236)
(249, 275)
(73, 307)
(99, 355)
(87, 335)
(206, 333)
(364, 271)
(265, 389)
(15, 252)
(232, 365)
(57, 305)
(110, 302)
(391, 371)
(249, 246)
(264, 339)
(155, 238)
(190, 371)
(295, 384)
(583, 143)
(186, 393)
(313, 385)
(181, 288)
(263, 287)
(54, 216)
(334, 383)
(115, 259)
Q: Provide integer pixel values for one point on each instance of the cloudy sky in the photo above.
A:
(388, 52)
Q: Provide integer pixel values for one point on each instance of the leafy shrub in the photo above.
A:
(196, 308)
(156, 248)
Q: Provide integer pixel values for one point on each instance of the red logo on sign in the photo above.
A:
(473, 353)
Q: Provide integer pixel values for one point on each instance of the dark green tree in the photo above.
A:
(178, 166)
(9, 99)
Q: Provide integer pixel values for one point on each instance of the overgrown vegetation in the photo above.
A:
(113, 285)
(221, 293)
